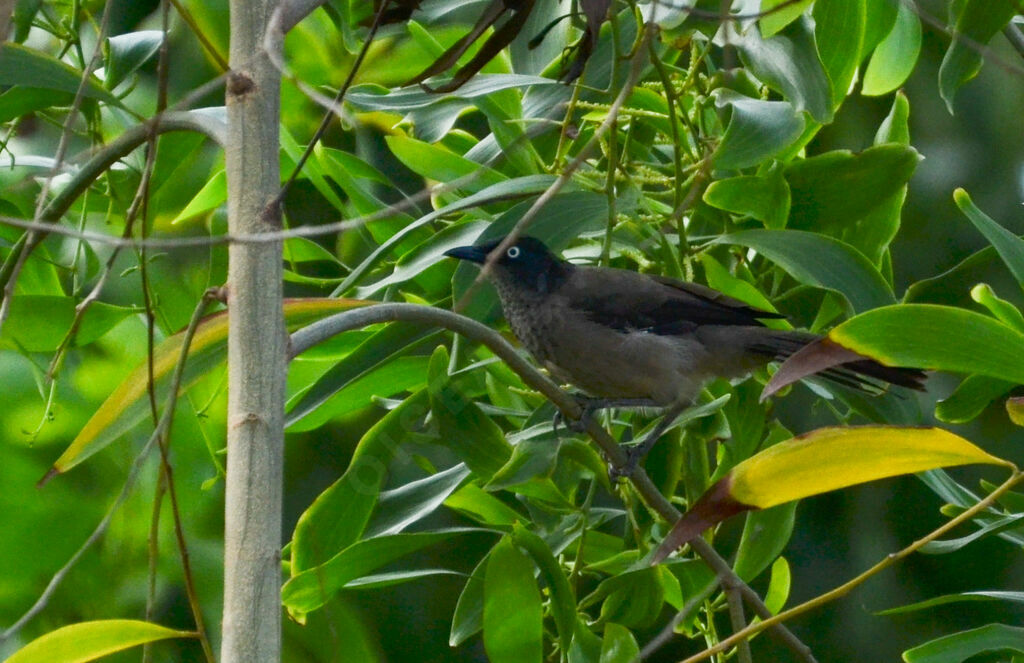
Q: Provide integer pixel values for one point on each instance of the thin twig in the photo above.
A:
(133, 473)
(635, 70)
(848, 586)
(666, 634)
(338, 98)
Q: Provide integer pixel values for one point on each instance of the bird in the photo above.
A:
(628, 339)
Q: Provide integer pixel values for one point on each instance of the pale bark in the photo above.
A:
(256, 349)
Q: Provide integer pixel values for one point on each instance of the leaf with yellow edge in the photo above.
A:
(817, 462)
(128, 404)
(88, 641)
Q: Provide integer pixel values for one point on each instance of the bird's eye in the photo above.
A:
(513, 252)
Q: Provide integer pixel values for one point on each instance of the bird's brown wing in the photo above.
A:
(623, 300)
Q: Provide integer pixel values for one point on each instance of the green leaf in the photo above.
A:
(338, 516)
(774, 19)
(405, 373)
(894, 59)
(513, 617)
(834, 189)
(873, 232)
(213, 194)
(385, 346)
(26, 66)
(788, 63)
(778, 587)
(22, 100)
(757, 130)
(763, 197)
(440, 164)
(820, 461)
(765, 535)
(958, 647)
(425, 255)
(947, 546)
(945, 338)
(1004, 311)
(970, 398)
(976, 22)
(633, 598)
(88, 641)
(819, 261)
(464, 428)
(401, 507)
(312, 588)
(618, 645)
(839, 35)
(1015, 410)
(473, 502)
(1009, 246)
(38, 323)
(879, 19)
(468, 618)
(127, 52)
(372, 97)
(301, 249)
(563, 599)
(1014, 597)
(511, 189)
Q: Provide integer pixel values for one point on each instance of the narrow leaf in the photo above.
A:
(1014, 597)
(820, 261)
(26, 66)
(958, 647)
(126, 406)
(970, 398)
(513, 617)
(976, 22)
(1009, 246)
(823, 460)
(952, 545)
(312, 588)
(338, 516)
(944, 338)
(88, 641)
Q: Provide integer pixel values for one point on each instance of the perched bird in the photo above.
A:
(631, 339)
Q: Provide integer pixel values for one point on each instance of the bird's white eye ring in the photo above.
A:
(513, 252)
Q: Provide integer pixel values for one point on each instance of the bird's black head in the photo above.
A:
(527, 262)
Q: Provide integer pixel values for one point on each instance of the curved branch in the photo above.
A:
(107, 156)
(322, 330)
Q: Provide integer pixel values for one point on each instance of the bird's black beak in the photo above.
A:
(470, 253)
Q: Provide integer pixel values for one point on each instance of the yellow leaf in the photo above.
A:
(88, 641)
(831, 458)
(820, 461)
(127, 405)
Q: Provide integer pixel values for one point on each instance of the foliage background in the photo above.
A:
(837, 535)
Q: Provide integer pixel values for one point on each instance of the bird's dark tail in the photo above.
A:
(822, 358)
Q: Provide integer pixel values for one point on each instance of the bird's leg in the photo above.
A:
(635, 453)
(589, 405)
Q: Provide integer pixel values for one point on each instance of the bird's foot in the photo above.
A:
(589, 405)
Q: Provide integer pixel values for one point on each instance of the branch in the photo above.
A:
(848, 586)
(83, 178)
(322, 330)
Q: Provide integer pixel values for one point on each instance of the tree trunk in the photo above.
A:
(256, 350)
